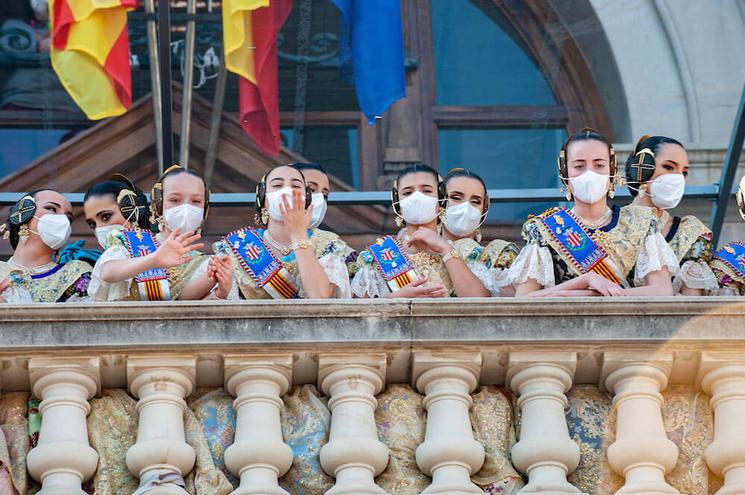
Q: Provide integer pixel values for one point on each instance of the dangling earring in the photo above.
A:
(478, 235)
(439, 228)
(568, 193)
(23, 233)
(643, 188)
(264, 217)
(399, 222)
(611, 191)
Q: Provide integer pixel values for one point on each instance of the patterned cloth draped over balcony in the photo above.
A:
(690, 239)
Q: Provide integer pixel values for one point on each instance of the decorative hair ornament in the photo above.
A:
(740, 195)
(640, 163)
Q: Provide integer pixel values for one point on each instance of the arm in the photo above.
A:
(657, 284)
(586, 285)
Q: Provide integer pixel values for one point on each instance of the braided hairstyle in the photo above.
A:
(641, 163)
(131, 201)
(20, 214)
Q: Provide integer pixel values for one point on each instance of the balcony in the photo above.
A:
(451, 396)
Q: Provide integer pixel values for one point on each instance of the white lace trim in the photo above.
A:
(534, 262)
(17, 295)
(695, 275)
(654, 255)
(98, 290)
(494, 279)
(337, 273)
(368, 282)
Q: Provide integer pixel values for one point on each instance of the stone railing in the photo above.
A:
(539, 350)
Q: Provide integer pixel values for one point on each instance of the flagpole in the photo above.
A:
(152, 46)
(191, 10)
(164, 68)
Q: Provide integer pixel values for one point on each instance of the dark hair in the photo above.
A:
(261, 187)
(641, 163)
(112, 188)
(13, 229)
(415, 169)
(462, 172)
(586, 134)
(180, 171)
(309, 166)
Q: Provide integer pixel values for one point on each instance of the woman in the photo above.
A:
(728, 263)
(655, 175)
(592, 249)
(467, 207)
(38, 227)
(140, 265)
(418, 262)
(284, 259)
(318, 182)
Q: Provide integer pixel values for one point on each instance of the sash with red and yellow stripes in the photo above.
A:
(393, 263)
(153, 284)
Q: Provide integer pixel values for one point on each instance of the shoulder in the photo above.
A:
(532, 228)
(500, 252)
(638, 217)
(468, 249)
(695, 227)
(326, 242)
(77, 267)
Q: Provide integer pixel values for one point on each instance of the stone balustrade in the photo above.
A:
(538, 350)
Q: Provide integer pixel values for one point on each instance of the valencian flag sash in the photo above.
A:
(577, 247)
(393, 263)
(90, 53)
(152, 284)
(260, 265)
(733, 255)
(250, 29)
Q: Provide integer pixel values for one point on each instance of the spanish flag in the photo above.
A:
(250, 29)
(90, 54)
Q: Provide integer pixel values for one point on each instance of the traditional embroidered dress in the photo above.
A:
(370, 280)
(728, 265)
(133, 289)
(246, 247)
(53, 282)
(560, 248)
(489, 264)
(690, 239)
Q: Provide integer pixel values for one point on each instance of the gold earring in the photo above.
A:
(568, 193)
(399, 222)
(23, 233)
(478, 235)
(264, 218)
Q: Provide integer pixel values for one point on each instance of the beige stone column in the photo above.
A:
(258, 456)
(545, 451)
(642, 453)
(353, 455)
(449, 453)
(63, 459)
(161, 453)
(723, 376)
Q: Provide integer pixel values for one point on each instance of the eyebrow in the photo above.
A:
(53, 203)
(673, 162)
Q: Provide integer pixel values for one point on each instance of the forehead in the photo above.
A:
(284, 172)
(468, 185)
(183, 183)
(417, 179)
(53, 196)
(670, 151)
(316, 176)
(588, 149)
(98, 203)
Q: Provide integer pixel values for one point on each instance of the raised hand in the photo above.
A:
(424, 239)
(175, 250)
(295, 217)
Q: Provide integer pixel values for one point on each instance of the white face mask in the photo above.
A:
(184, 217)
(667, 190)
(418, 208)
(462, 219)
(589, 187)
(319, 210)
(274, 199)
(54, 230)
(102, 234)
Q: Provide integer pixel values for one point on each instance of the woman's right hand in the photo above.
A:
(174, 251)
(417, 289)
(4, 285)
(602, 285)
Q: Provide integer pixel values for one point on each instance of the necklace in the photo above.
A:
(285, 250)
(597, 223)
(35, 269)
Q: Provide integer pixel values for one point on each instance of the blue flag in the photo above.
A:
(371, 53)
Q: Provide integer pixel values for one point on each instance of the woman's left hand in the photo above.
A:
(296, 217)
(425, 239)
(221, 271)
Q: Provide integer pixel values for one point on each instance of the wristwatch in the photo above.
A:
(448, 256)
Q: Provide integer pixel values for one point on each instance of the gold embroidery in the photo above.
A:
(691, 230)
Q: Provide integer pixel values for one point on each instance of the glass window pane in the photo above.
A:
(478, 62)
(335, 148)
(505, 159)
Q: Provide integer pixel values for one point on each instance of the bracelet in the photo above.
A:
(453, 254)
(304, 244)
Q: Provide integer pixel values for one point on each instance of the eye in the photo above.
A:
(406, 193)
(668, 167)
(106, 217)
(52, 208)
(685, 173)
(91, 224)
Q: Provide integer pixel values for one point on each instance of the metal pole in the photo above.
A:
(729, 169)
(191, 10)
(164, 68)
(215, 121)
(152, 46)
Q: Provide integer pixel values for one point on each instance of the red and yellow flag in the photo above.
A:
(90, 53)
(250, 29)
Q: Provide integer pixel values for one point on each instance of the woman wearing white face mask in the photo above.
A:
(592, 249)
(38, 227)
(418, 262)
(656, 174)
(467, 207)
(141, 265)
(285, 259)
